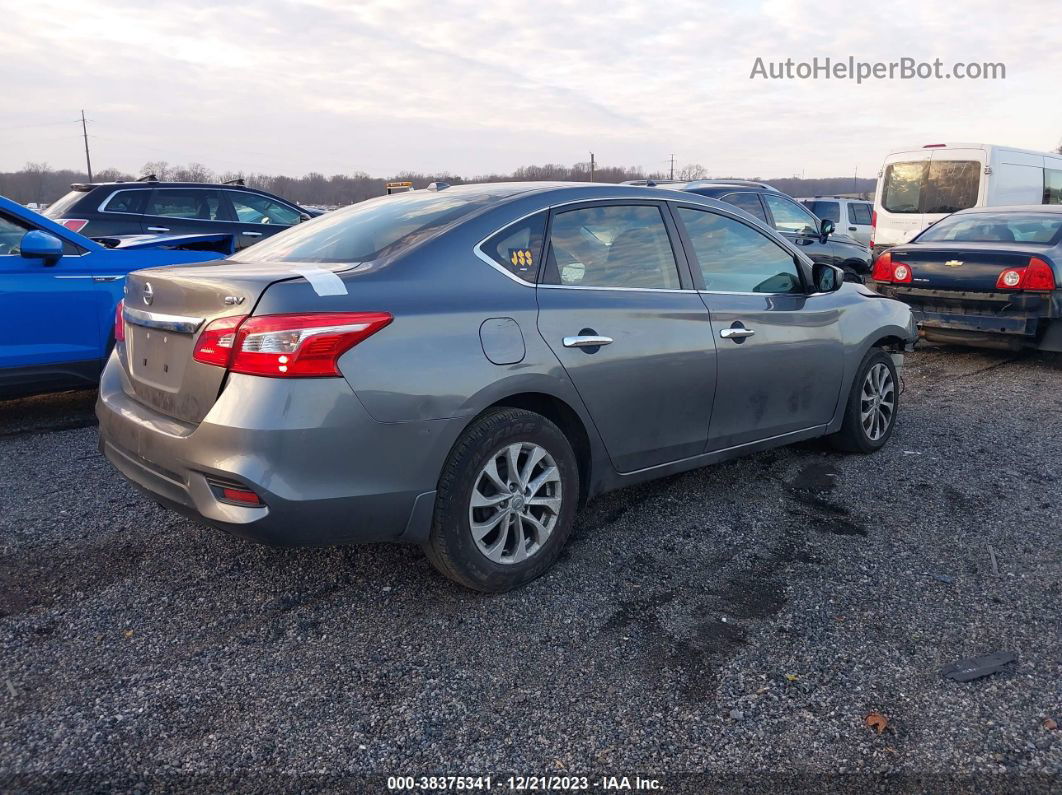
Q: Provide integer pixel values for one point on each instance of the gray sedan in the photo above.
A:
(463, 367)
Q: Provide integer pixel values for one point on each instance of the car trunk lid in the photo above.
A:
(955, 267)
(166, 309)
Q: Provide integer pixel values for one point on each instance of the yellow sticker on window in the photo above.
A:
(521, 258)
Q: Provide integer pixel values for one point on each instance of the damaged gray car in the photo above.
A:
(463, 367)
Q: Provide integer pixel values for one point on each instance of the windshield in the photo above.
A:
(940, 186)
(1038, 228)
(369, 230)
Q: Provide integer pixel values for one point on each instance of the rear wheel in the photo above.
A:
(870, 415)
(506, 501)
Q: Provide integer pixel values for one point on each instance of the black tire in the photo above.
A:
(450, 546)
(853, 437)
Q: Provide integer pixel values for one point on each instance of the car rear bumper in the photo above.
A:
(993, 319)
(325, 472)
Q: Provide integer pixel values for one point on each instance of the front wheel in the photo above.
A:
(506, 501)
(870, 414)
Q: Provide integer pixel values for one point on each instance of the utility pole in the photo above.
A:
(592, 164)
(855, 180)
(672, 166)
(84, 133)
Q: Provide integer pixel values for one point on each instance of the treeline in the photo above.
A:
(36, 182)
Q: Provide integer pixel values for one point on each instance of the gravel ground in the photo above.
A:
(745, 617)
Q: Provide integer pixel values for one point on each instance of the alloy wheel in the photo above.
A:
(877, 402)
(516, 502)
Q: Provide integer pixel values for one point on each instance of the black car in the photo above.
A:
(148, 206)
(814, 237)
(987, 276)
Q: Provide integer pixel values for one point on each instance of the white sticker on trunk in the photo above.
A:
(324, 282)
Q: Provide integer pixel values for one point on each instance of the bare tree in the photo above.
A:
(692, 171)
(160, 168)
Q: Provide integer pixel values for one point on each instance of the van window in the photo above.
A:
(1052, 186)
(952, 186)
(943, 186)
(827, 211)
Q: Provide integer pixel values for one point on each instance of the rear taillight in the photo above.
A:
(1037, 275)
(885, 270)
(73, 224)
(119, 322)
(216, 341)
(286, 346)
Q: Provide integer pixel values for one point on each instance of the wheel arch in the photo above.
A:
(565, 417)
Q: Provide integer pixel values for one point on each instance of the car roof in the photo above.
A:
(1014, 208)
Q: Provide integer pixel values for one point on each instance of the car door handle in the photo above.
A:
(158, 229)
(252, 234)
(586, 341)
(852, 229)
(736, 333)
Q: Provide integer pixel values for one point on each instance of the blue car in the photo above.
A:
(59, 291)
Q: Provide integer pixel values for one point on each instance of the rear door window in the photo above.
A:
(126, 201)
(830, 211)
(749, 202)
(952, 186)
(940, 186)
(612, 246)
(188, 203)
(518, 248)
(902, 191)
(859, 213)
(254, 209)
(735, 258)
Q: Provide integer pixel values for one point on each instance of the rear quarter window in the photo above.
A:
(859, 214)
(518, 248)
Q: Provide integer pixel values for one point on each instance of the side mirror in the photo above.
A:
(827, 278)
(826, 228)
(304, 217)
(36, 244)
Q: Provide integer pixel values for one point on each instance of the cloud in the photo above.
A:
(325, 85)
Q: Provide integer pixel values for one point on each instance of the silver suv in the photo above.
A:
(850, 216)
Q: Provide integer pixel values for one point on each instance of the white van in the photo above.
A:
(919, 187)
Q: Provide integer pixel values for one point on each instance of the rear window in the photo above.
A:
(828, 211)
(58, 209)
(1037, 228)
(943, 186)
(369, 230)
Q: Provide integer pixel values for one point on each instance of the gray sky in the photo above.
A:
(474, 87)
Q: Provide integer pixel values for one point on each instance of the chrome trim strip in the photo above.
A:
(666, 199)
(618, 289)
(176, 323)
